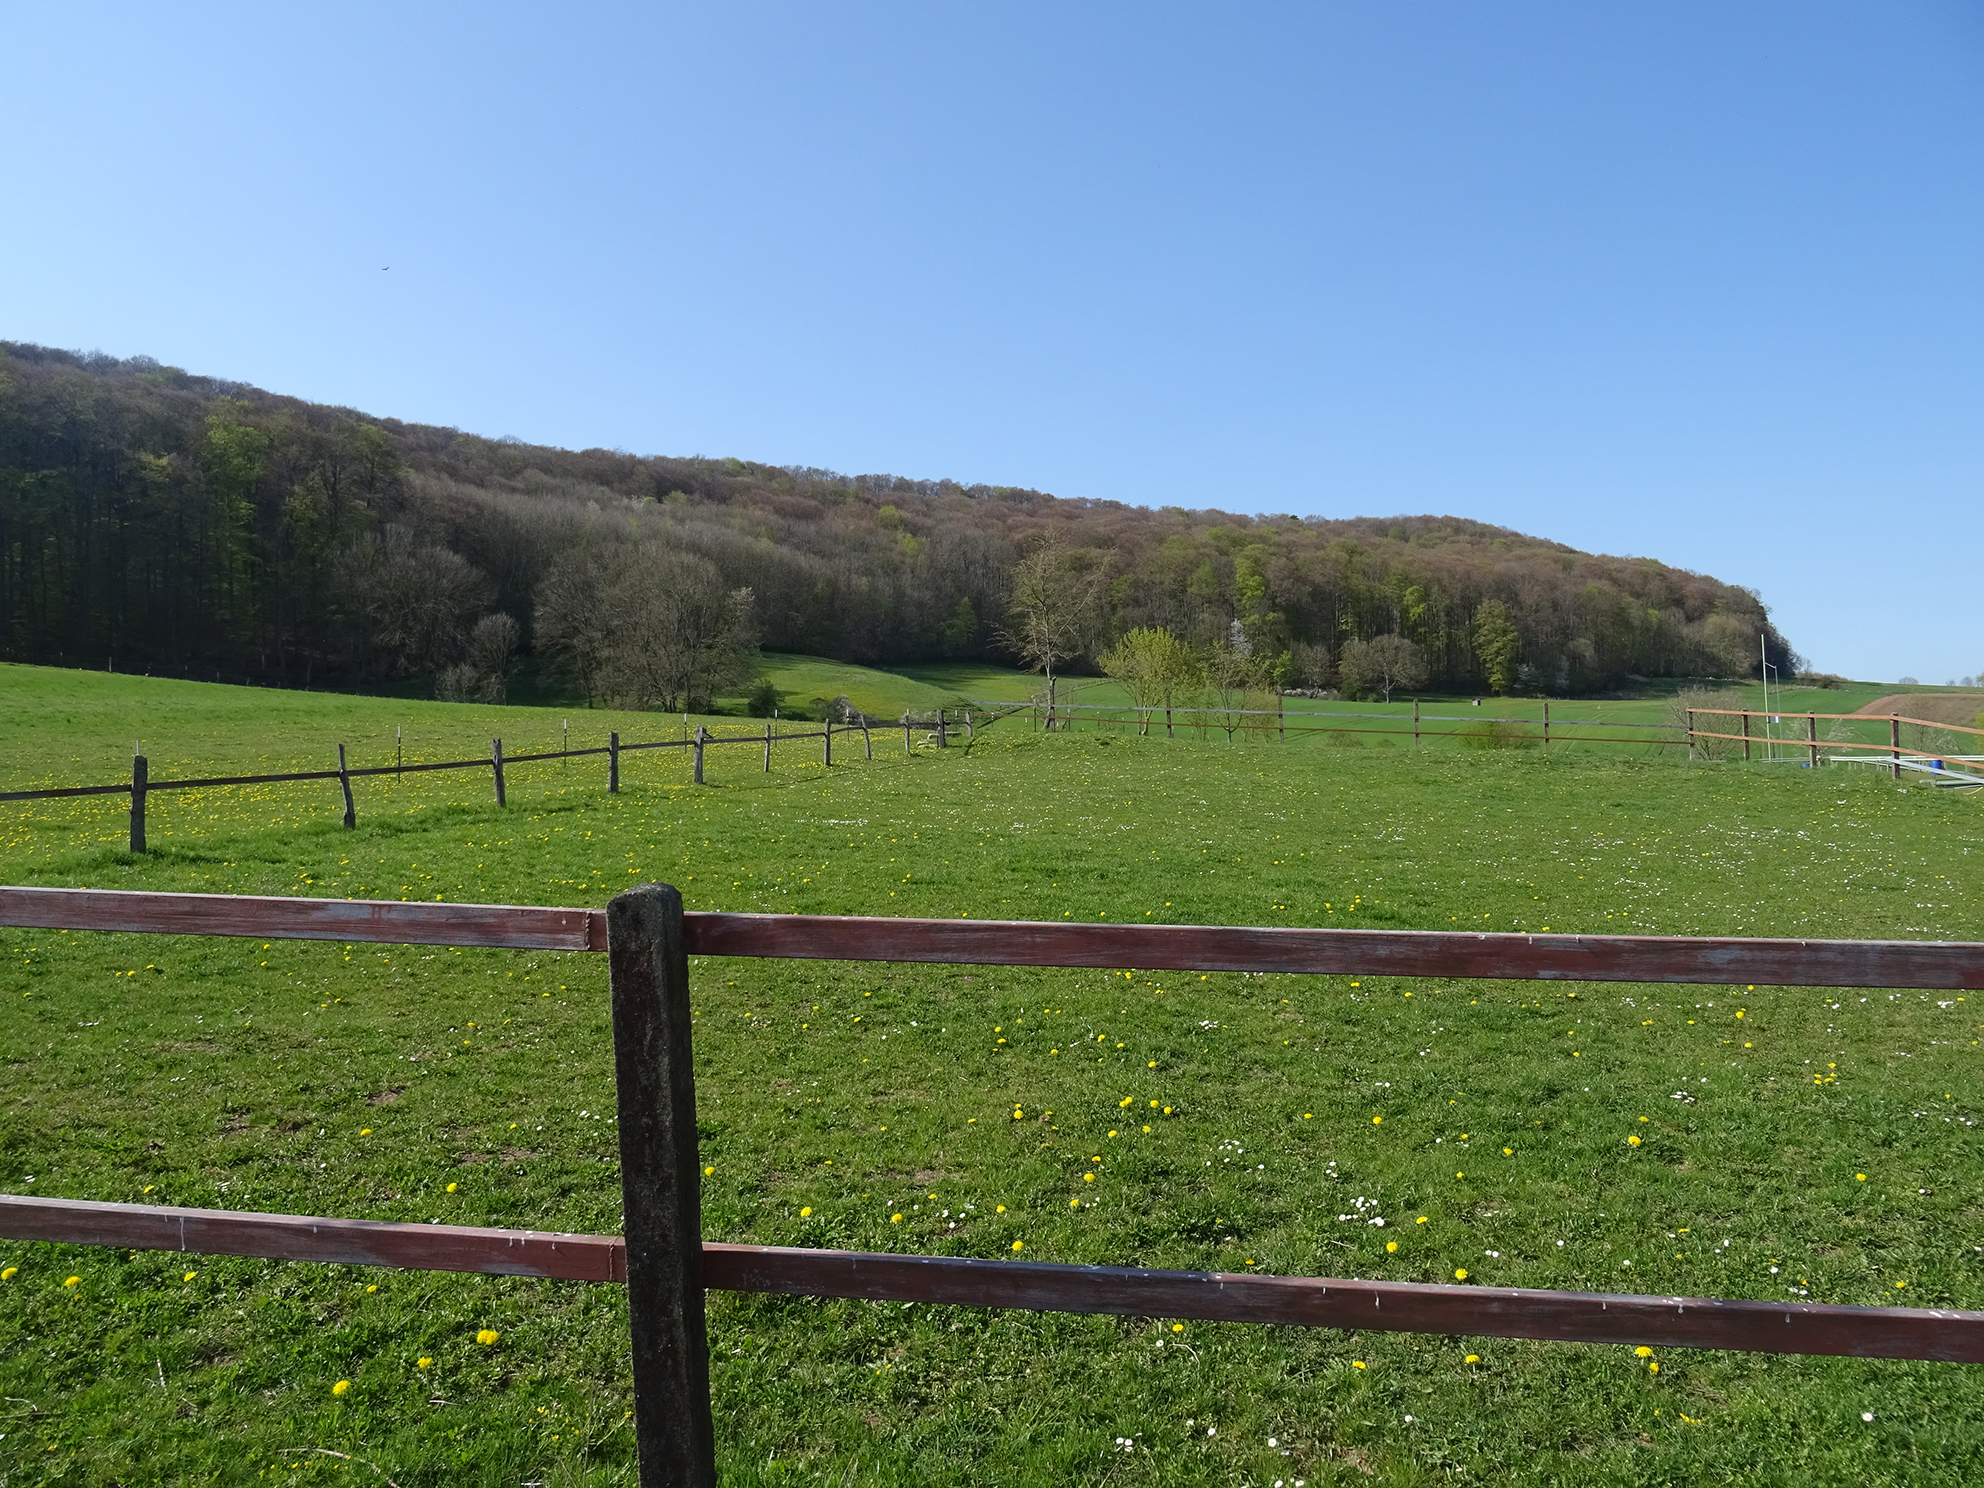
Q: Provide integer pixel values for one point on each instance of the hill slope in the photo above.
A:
(184, 524)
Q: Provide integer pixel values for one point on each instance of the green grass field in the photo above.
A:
(1270, 1121)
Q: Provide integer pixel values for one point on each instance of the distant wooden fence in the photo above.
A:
(666, 1266)
(1275, 721)
(140, 786)
(1812, 743)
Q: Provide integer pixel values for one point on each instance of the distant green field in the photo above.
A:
(476, 1087)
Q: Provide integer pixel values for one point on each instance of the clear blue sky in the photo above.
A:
(1703, 282)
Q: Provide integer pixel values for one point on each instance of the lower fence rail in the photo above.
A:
(1033, 1286)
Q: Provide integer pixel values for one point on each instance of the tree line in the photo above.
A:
(152, 519)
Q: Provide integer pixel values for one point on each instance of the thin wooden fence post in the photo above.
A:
(1894, 745)
(969, 736)
(905, 733)
(496, 758)
(1281, 716)
(661, 1188)
(768, 746)
(699, 754)
(1691, 735)
(867, 744)
(1167, 715)
(943, 738)
(1546, 723)
(613, 763)
(140, 773)
(1746, 735)
(827, 742)
(1812, 736)
(1415, 723)
(344, 779)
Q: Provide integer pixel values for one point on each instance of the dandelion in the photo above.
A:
(423, 1362)
(1632, 1141)
(1074, 1203)
(1377, 1121)
(709, 1172)
(1356, 1363)
(895, 1219)
(1508, 1152)
(487, 1336)
(806, 1213)
(1088, 1177)
(1019, 1245)
(1859, 1177)
(1177, 1327)
(1124, 1101)
(366, 1131)
(73, 1281)
(1391, 1245)
(1472, 1359)
(342, 1387)
(1420, 1220)
(10, 1273)
(1642, 1352)
(1653, 1366)
(1461, 1274)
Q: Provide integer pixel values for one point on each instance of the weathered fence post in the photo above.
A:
(1546, 722)
(867, 744)
(613, 763)
(1812, 737)
(661, 1188)
(1281, 717)
(344, 779)
(1415, 723)
(496, 758)
(1894, 745)
(1691, 734)
(699, 754)
(943, 739)
(827, 744)
(1746, 734)
(1167, 715)
(905, 733)
(140, 773)
(969, 736)
(768, 746)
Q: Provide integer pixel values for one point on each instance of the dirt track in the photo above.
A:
(1960, 708)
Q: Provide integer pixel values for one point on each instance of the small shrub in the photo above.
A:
(1342, 739)
(1704, 704)
(1497, 733)
(762, 701)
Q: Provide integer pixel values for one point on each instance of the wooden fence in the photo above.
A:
(666, 1266)
(140, 786)
(1812, 743)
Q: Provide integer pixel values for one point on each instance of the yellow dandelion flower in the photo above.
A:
(1632, 1141)
(1420, 1220)
(342, 1387)
(1642, 1352)
(1377, 1121)
(1019, 1245)
(1177, 1327)
(11, 1272)
(451, 1188)
(73, 1281)
(423, 1362)
(806, 1213)
(895, 1219)
(1653, 1367)
(1000, 1208)
(1356, 1363)
(1088, 1177)
(1391, 1245)
(709, 1171)
(487, 1336)
(1074, 1203)
(1472, 1359)
(1859, 1177)
(1461, 1274)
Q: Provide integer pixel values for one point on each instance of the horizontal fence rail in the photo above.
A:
(964, 1281)
(1468, 954)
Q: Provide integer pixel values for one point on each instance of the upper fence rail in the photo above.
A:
(1707, 960)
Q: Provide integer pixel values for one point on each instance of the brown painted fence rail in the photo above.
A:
(965, 1281)
(1486, 955)
(666, 1265)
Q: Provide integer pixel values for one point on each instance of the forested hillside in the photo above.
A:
(182, 524)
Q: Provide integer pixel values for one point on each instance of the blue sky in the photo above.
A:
(1702, 282)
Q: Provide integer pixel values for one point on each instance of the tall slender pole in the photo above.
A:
(827, 745)
(1812, 737)
(140, 773)
(344, 779)
(1691, 733)
(661, 1188)
(768, 746)
(1746, 735)
(613, 763)
(1546, 722)
(1894, 745)
(699, 754)
(399, 758)
(943, 739)
(496, 759)
(867, 744)
(1415, 723)
(1281, 717)
(905, 733)
(969, 736)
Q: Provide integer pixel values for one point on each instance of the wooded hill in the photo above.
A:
(183, 524)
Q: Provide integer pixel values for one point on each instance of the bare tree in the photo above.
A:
(1055, 604)
(1381, 665)
(419, 600)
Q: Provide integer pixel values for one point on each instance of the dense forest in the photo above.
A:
(155, 520)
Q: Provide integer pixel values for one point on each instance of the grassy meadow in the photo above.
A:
(1720, 1141)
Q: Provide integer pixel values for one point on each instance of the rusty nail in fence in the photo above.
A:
(661, 1185)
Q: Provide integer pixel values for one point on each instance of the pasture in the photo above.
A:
(1789, 1142)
